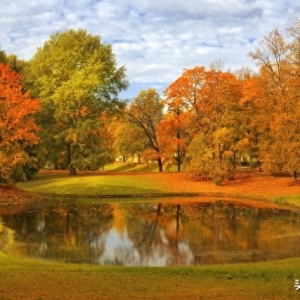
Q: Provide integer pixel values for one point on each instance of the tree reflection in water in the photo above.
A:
(158, 234)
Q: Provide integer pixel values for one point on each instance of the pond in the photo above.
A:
(153, 234)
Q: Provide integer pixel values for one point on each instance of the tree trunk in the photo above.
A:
(178, 153)
(69, 155)
(179, 165)
(160, 166)
(178, 161)
(295, 175)
(69, 161)
(72, 170)
(177, 218)
(158, 209)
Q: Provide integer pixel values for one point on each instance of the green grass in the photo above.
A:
(94, 184)
(37, 279)
(294, 200)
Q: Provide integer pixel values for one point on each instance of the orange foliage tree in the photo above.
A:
(249, 123)
(278, 111)
(211, 97)
(17, 127)
(174, 137)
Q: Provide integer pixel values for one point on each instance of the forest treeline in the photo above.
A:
(62, 108)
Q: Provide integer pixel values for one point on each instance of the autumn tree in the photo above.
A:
(3, 57)
(16, 64)
(29, 169)
(129, 140)
(146, 112)
(177, 126)
(76, 77)
(278, 110)
(247, 126)
(211, 97)
(174, 134)
(18, 130)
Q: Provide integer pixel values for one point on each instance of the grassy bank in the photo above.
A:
(247, 184)
(35, 279)
(92, 183)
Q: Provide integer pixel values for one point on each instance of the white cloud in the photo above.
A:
(155, 40)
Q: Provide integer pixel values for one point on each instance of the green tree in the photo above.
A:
(13, 61)
(146, 112)
(78, 81)
(129, 140)
(3, 57)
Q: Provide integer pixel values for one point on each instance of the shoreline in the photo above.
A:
(30, 198)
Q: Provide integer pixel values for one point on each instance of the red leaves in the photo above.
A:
(10, 195)
(17, 126)
(16, 110)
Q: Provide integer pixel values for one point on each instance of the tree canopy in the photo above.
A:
(146, 112)
(209, 120)
(210, 97)
(78, 81)
(278, 102)
(18, 130)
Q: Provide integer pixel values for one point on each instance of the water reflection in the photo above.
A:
(155, 234)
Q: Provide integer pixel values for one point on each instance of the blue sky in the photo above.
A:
(155, 40)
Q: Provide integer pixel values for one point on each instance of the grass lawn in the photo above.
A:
(36, 279)
(134, 181)
(61, 182)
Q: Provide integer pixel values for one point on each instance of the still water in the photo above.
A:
(153, 234)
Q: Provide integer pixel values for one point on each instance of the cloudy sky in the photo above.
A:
(155, 40)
